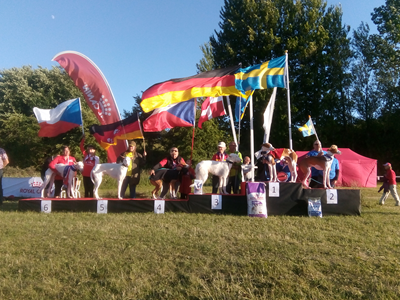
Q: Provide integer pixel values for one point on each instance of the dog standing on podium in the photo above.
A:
(269, 154)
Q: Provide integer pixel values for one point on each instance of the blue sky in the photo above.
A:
(134, 43)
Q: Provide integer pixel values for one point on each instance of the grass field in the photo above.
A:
(200, 256)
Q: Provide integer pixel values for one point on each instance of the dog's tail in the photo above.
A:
(91, 175)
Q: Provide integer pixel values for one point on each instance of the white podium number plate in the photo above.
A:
(45, 206)
(102, 206)
(331, 196)
(159, 206)
(273, 189)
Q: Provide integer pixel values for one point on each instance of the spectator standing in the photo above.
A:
(234, 180)
(390, 176)
(3, 162)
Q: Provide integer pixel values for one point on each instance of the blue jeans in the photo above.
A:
(132, 188)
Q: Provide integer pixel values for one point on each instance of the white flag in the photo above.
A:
(269, 112)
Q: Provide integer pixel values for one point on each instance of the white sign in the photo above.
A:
(216, 201)
(331, 196)
(27, 187)
(102, 206)
(45, 206)
(273, 190)
(159, 206)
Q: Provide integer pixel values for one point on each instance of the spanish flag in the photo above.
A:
(127, 129)
(215, 83)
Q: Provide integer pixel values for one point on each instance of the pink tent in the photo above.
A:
(355, 170)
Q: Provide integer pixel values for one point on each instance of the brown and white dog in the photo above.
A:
(323, 162)
(158, 187)
(288, 156)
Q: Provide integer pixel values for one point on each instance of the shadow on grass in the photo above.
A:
(9, 206)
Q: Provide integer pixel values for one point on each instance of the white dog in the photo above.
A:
(50, 175)
(116, 171)
(217, 168)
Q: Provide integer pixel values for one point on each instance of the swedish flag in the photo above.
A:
(269, 74)
(307, 129)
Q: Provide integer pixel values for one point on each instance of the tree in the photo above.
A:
(21, 89)
(254, 31)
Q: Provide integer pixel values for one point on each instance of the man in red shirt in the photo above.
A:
(390, 176)
(65, 159)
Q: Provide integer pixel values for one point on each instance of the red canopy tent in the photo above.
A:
(355, 170)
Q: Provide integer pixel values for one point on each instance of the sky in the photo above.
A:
(134, 43)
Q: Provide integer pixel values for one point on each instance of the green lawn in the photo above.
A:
(200, 256)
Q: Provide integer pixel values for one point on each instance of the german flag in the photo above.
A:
(127, 129)
(213, 83)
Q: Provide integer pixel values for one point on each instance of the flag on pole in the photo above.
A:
(262, 76)
(59, 120)
(212, 107)
(268, 114)
(307, 129)
(214, 83)
(240, 107)
(174, 115)
(108, 135)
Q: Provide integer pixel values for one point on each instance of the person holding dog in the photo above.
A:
(390, 176)
(171, 167)
(219, 156)
(187, 180)
(133, 174)
(65, 159)
(316, 175)
(89, 161)
(233, 179)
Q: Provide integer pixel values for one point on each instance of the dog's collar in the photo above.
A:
(125, 165)
(229, 161)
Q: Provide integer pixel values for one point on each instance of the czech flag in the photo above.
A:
(174, 115)
(59, 120)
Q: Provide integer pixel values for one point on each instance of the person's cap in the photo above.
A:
(132, 143)
(387, 164)
(222, 144)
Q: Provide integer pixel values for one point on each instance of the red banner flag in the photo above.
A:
(96, 90)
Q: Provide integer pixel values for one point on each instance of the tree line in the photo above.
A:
(347, 80)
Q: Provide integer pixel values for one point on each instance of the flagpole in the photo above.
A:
(141, 131)
(80, 107)
(315, 130)
(288, 100)
(251, 139)
(232, 123)
(194, 126)
(240, 118)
